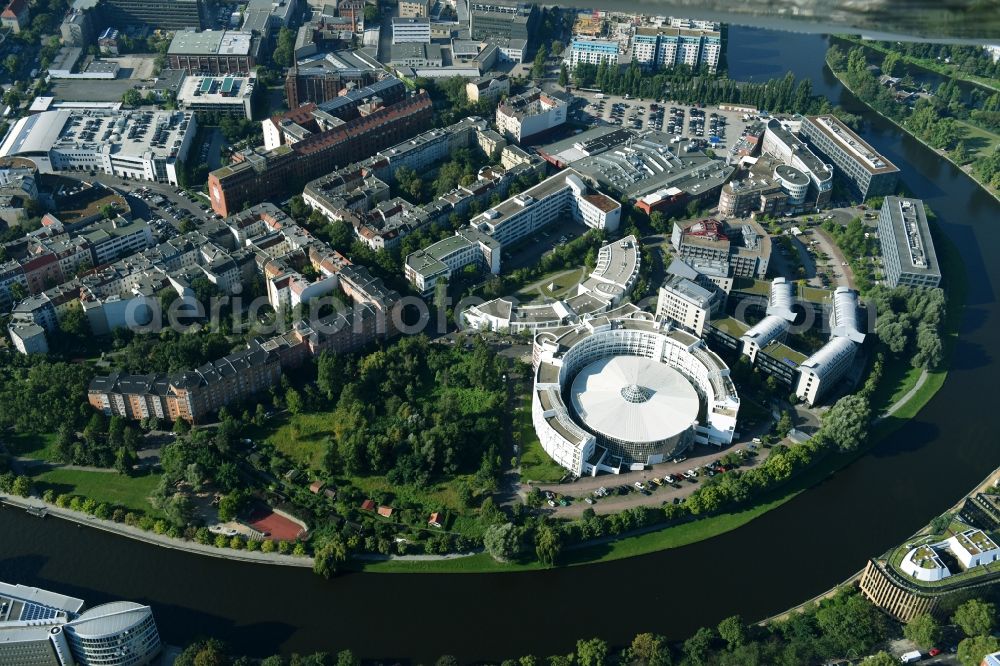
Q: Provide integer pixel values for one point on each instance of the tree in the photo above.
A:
(971, 651)
(204, 653)
(548, 545)
(880, 659)
(230, 505)
(975, 617)
(851, 625)
(371, 13)
(784, 425)
(132, 97)
(593, 652)
(330, 557)
(889, 63)
(293, 400)
(502, 542)
(846, 423)
(648, 650)
(923, 630)
(21, 487)
(698, 646)
(347, 658)
(563, 75)
(12, 63)
(284, 52)
(538, 67)
(733, 631)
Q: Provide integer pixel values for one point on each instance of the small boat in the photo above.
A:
(38, 511)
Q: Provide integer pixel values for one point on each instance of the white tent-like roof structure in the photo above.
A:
(634, 399)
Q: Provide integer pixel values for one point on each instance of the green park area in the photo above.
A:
(39, 446)
(130, 492)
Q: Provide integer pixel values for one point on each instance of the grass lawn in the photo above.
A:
(567, 280)
(110, 487)
(980, 142)
(536, 465)
(897, 379)
(31, 445)
(301, 437)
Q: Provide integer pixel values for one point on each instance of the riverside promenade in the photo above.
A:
(33, 504)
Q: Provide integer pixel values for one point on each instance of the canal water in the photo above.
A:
(796, 551)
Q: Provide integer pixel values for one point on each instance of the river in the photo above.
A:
(794, 552)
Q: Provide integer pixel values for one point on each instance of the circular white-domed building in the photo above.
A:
(624, 388)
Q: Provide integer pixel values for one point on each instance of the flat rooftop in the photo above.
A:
(782, 352)
(216, 89)
(730, 326)
(857, 147)
(638, 163)
(809, 159)
(210, 42)
(912, 235)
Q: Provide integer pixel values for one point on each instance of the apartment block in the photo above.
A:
(488, 88)
(593, 52)
(666, 47)
(530, 113)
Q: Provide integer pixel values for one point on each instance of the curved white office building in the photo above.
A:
(120, 633)
(780, 316)
(624, 389)
(832, 361)
(793, 182)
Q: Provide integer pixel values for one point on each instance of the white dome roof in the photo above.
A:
(634, 399)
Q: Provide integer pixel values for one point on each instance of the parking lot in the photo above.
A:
(694, 126)
(620, 491)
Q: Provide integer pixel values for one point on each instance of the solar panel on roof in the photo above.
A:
(206, 85)
(227, 85)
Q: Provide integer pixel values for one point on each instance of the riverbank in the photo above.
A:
(943, 154)
(923, 63)
(652, 539)
(33, 505)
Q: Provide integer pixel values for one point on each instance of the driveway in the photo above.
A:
(840, 270)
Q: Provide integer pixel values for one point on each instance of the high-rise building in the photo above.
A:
(665, 47)
(502, 19)
(166, 15)
(907, 249)
(593, 52)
